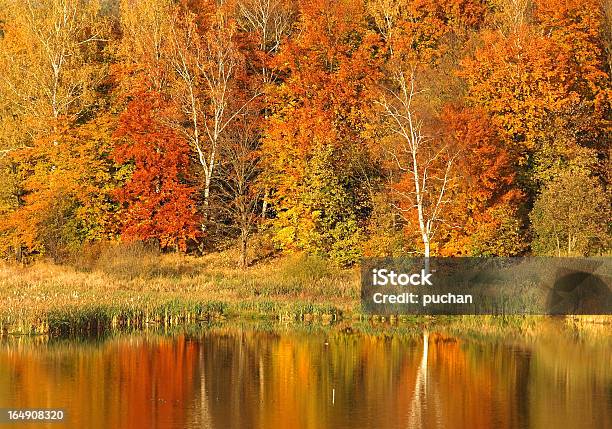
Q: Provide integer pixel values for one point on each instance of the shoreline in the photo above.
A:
(140, 292)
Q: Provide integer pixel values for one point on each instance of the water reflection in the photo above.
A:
(234, 377)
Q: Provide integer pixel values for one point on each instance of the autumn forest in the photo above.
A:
(339, 128)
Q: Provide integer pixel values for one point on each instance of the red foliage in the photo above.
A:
(158, 201)
(487, 195)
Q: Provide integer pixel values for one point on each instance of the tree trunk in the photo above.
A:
(427, 250)
(264, 207)
(244, 238)
(207, 198)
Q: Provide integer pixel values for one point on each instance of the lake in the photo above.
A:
(243, 376)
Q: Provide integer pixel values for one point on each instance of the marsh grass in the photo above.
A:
(126, 286)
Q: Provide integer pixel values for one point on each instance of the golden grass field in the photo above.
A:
(133, 283)
(131, 286)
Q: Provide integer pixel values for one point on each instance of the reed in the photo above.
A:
(132, 287)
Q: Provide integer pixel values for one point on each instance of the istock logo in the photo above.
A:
(384, 277)
(487, 285)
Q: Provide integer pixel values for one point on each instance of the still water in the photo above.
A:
(245, 377)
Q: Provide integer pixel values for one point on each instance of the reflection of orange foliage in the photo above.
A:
(299, 381)
(370, 375)
(233, 378)
(135, 383)
(475, 384)
(157, 383)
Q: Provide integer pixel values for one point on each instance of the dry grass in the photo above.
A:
(134, 282)
(131, 285)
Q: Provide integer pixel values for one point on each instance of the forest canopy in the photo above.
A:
(339, 128)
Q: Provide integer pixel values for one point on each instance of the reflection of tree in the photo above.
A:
(287, 380)
(129, 382)
(259, 379)
(420, 388)
(421, 393)
(465, 385)
(203, 418)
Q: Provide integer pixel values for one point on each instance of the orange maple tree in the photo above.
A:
(484, 211)
(545, 87)
(313, 144)
(158, 199)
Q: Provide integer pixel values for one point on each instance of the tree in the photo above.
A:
(67, 191)
(426, 168)
(545, 87)
(313, 147)
(420, 41)
(483, 216)
(512, 15)
(239, 193)
(571, 216)
(412, 34)
(157, 199)
(48, 57)
(266, 23)
(269, 21)
(431, 126)
(146, 28)
(208, 66)
(52, 56)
